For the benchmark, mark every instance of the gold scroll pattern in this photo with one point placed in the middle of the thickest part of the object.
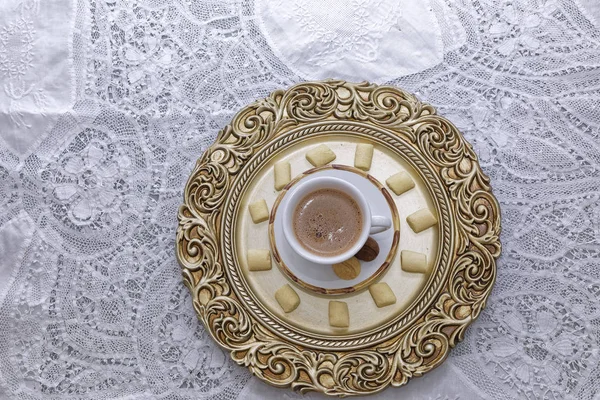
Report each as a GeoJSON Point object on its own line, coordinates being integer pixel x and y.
{"type": "Point", "coordinates": [308, 367]}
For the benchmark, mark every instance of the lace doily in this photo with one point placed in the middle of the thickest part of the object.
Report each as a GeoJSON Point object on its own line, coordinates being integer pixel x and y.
{"type": "Point", "coordinates": [106, 105]}
{"type": "Point", "coordinates": [356, 40]}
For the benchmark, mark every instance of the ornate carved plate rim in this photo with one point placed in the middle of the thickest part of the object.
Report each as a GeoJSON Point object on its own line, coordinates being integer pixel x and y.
{"type": "Point", "coordinates": [214, 281]}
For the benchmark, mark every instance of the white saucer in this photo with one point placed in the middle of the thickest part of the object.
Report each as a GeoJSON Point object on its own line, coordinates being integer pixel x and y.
{"type": "Point", "coordinates": [321, 278]}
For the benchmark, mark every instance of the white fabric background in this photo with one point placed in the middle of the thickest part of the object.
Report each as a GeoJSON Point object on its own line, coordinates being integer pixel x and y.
{"type": "Point", "coordinates": [105, 105]}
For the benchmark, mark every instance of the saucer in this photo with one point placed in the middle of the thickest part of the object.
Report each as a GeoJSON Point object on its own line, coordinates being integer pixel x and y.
{"type": "Point", "coordinates": [321, 278]}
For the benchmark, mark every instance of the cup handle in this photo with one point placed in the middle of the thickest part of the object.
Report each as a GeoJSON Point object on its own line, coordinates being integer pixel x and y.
{"type": "Point", "coordinates": [379, 224]}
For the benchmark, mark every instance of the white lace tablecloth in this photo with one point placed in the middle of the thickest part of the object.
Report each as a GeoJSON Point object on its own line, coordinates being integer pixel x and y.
{"type": "Point", "coordinates": [105, 105]}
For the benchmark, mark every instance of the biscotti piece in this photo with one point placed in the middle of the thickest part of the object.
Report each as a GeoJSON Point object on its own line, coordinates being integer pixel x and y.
{"type": "Point", "coordinates": [412, 261]}
{"type": "Point", "coordinates": [287, 298]}
{"type": "Point", "coordinates": [421, 220]}
{"type": "Point", "coordinates": [320, 156]}
{"type": "Point", "coordinates": [283, 174]}
{"type": "Point", "coordinates": [400, 182]}
{"type": "Point", "coordinates": [259, 260]}
{"type": "Point", "coordinates": [259, 211]}
{"type": "Point", "coordinates": [338, 314]}
{"type": "Point", "coordinates": [363, 156]}
{"type": "Point", "coordinates": [382, 294]}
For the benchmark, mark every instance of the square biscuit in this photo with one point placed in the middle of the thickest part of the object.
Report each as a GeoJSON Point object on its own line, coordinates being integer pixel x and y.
{"type": "Point", "coordinates": [400, 182]}
{"type": "Point", "coordinates": [363, 156]}
{"type": "Point", "coordinates": [259, 211]}
{"type": "Point", "coordinates": [411, 261]}
{"type": "Point", "coordinates": [421, 220]}
{"type": "Point", "coordinates": [287, 298]}
{"type": "Point", "coordinates": [320, 155]}
{"type": "Point", "coordinates": [283, 174]}
{"type": "Point", "coordinates": [258, 259]}
{"type": "Point", "coordinates": [338, 314]}
{"type": "Point", "coordinates": [382, 294]}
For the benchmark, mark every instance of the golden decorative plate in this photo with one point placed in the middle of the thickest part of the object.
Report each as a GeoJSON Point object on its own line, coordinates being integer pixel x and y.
{"type": "Point", "coordinates": [382, 346]}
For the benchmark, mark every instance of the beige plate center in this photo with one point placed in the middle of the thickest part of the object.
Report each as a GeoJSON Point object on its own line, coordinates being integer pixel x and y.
{"type": "Point", "coordinates": [312, 313]}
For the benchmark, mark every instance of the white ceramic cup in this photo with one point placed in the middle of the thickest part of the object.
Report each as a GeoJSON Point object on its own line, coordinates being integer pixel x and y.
{"type": "Point", "coordinates": [370, 224]}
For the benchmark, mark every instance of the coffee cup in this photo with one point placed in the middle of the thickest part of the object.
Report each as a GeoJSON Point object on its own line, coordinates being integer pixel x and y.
{"type": "Point", "coordinates": [349, 197]}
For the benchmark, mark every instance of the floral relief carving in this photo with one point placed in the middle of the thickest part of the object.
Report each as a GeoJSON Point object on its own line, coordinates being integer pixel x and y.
{"type": "Point", "coordinates": [469, 213]}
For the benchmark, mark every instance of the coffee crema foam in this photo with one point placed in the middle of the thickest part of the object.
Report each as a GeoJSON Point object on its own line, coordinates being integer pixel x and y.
{"type": "Point", "coordinates": [327, 222]}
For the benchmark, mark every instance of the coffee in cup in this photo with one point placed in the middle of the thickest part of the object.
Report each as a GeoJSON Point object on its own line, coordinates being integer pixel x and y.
{"type": "Point", "coordinates": [327, 222]}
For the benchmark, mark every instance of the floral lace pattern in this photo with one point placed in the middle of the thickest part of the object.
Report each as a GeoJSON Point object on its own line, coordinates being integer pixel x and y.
{"type": "Point", "coordinates": [347, 39]}
{"type": "Point", "coordinates": [28, 96]}
{"type": "Point", "coordinates": [93, 165]}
